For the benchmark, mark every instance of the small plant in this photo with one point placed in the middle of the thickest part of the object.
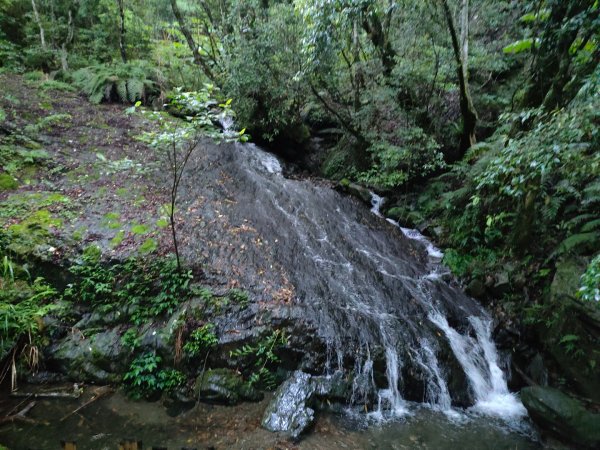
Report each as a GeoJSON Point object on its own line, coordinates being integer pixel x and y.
{"type": "Point", "coordinates": [590, 282]}
{"type": "Point", "coordinates": [54, 85]}
{"type": "Point", "coordinates": [153, 287]}
{"type": "Point", "coordinates": [201, 339]}
{"type": "Point", "coordinates": [131, 339]}
{"type": "Point", "coordinates": [48, 122]}
{"type": "Point", "coordinates": [239, 297]}
{"type": "Point", "coordinates": [23, 305]}
{"type": "Point", "coordinates": [263, 357]}
{"type": "Point", "coordinates": [144, 379]}
{"type": "Point", "coordinates": [569, 343]}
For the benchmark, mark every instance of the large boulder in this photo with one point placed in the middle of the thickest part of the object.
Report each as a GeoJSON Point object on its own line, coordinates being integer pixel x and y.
{"type": "Point", "coordinates": [291, 410]}
{"type": "Point", "coordinates": [99, 358]}
{"type": "Point", "coordinates": [562, 416]}
{"type": "Point", "coordinates": [224, 386]}
{"type": "Point", "coordinates": [567, 278]}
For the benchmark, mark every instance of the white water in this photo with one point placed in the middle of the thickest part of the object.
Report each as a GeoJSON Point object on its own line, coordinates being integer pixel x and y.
{"type": "Point", "coordinates": [437, 394]}
{"type": "Point", "coordinates": [477, 355]}
{"type": "Point", "coordinates": [479, 360]}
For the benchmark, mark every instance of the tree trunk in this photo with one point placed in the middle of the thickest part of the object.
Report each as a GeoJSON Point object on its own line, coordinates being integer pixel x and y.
{"type": "Point", "coordinates": [39, 24]}
{"type": "Point", "coordinates": [190, 41]}
{"type": "Point", "coordinates": [356, 72]}
{"type": "Point", "coordinates": [68, 40]}
{"type": "Point", "coordinates": [122, 43]}
{"type": "Point", "coordinates": [552, 65]}
{"type": "Point", "coordinates": [378, 36]}
{"type": "Point", "coordinates": [461, 49]}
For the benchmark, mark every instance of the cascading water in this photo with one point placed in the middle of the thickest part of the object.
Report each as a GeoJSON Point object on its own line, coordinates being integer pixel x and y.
{"type": "Point", "coordinates": [374, 293]}
{"type": "Point", "coordinates": [477, 356]}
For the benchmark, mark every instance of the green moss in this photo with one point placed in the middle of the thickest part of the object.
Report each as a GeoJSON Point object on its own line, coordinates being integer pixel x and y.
{"type": "Point", "coordinates": [7, 182]}
{"type": "Point", "coordinates": [116, 241]}
{"type": "Point", "coordinates": [140, 228]}
{"type": "Point", "coordinates": [31, 232]}
{"type": "Point", "coordinates": [122, 192]}
{"type": "Point", "coordinates": [162, 223]}
{"type": "Point", "coordinates": [148, 246]}
{"type": "Point", "coordinates": [111, 221]}
{"type": "Point", "coordinates": [79, 233]}
{"type": "Point", "coordinates": [20, 205]}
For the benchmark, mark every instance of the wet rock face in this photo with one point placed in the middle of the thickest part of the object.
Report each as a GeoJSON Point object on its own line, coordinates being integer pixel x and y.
{"type": "Point", "coordinates": [224, 386]}
{"type": "Point", "coordinates": [308, 254]}
{"type": "Point", "coordinates": [558, 414]}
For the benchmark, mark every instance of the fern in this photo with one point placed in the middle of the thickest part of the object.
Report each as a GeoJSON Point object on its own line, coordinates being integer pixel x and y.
{"type": "Point", "coordinates": [591, 193]}
{"type": "Point", "coordinates": [576, 221]}
{"type": "Point", "coordinates": [121, 86]}
{"type": "Point", "coordinates": [136, 89]}
{"type": "Point", "coordinates": [126, 83]}
{"type": "Point", "coordinates": [551, 208]}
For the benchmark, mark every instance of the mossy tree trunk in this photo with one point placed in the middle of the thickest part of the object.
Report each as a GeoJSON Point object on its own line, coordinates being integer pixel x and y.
{"type": "Point", "coordinates": [567, 30]}
{"type": "Point", "coordinates": [38, 21]}
{"type": "Point", "coordinates": [461, 53]}
{"type": "Point", "coordinates": [377, 30]}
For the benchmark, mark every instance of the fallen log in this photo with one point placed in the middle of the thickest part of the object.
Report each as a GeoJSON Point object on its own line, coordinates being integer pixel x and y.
{"type": "Point", "coordinates": [75, 394]}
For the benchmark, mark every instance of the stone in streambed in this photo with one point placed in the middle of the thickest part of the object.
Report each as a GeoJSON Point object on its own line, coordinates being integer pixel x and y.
{"type": "Point", "coordinates": [289, 412]}
{"type": "Point", "coordinates": [291, 409]}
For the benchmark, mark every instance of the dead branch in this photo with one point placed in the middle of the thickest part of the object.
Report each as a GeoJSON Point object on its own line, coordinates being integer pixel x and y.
{"type": "Point", "coordinates": [20, 416]}
{"type": "Point", "coordinates": [100, 392]}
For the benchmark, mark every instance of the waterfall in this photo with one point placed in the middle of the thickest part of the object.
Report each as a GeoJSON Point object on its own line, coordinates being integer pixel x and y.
{"type": "Point", "coordinates": [477, 356]}
{"type": "Point", "coordinates": [479, 359]}
{"type": "Point", "coordinates": [373, 294]}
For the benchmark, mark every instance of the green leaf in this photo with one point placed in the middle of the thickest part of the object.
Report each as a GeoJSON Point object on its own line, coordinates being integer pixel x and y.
{"type": "Point", "coordinates": [518, 46]}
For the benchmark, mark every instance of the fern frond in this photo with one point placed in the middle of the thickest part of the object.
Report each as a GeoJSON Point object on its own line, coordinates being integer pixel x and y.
{"type": "Point", "coordinates": [551, 208]}
{"type": "Point", "coordinates": [577, 220]}
{"type": "Point", "coordinates": [122, 90]}
{"type": "Point", "coordinates": [579, 241]}
{"type": "Point", "coordinates": [590, 226]}
{"type": "Point", "coordinates": [135, 87]}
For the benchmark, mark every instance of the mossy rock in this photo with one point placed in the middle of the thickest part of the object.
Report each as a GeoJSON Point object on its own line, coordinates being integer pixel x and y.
{"type": "Point", "coordinates": [7, 182]}
{"type": "Point", "coordinates": [563, 416]}
{"type": "Point", "coordinates": [99, 358]}
{"type": "Point", "coordinates": [224, 386]}
{"type": "Point", "coordinates": [567, 278]}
